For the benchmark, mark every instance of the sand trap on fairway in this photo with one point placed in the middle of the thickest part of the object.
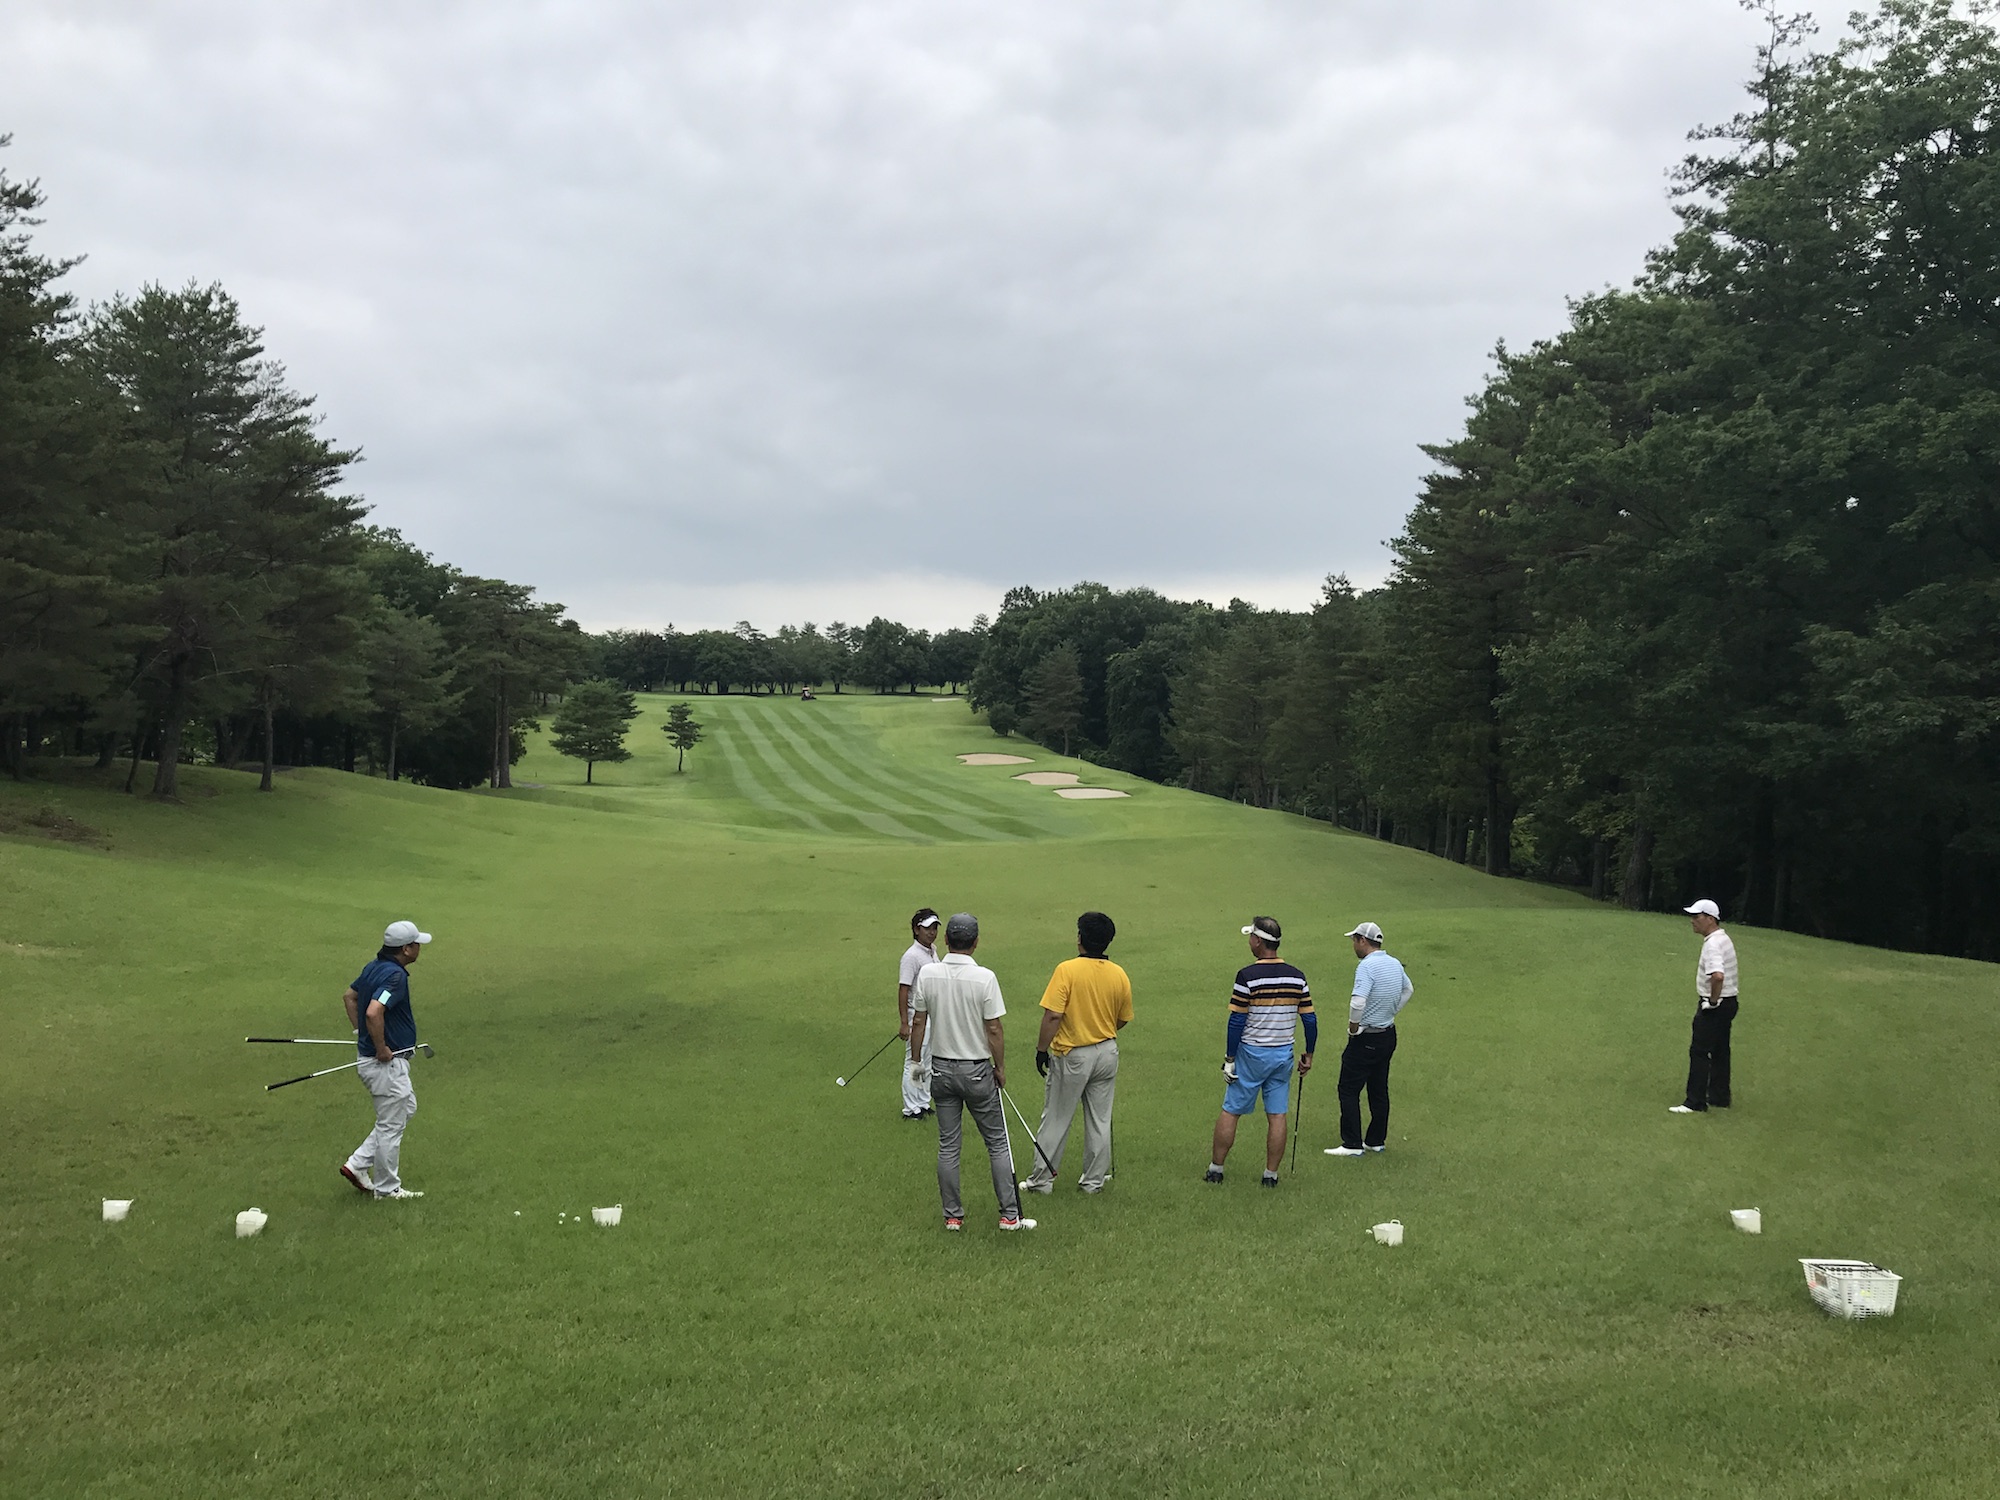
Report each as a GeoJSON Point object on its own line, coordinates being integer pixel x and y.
{"type": "Point", "coordinates": [994, 760]}
{"type": "Point", "coordinates": [1088, 793]}
{"type": "Point", "coordinates": [1049, 778]}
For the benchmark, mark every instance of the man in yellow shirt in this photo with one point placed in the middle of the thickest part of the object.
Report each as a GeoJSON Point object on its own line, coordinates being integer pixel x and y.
{"type": "Point", "coordinates": [1087, 1003]}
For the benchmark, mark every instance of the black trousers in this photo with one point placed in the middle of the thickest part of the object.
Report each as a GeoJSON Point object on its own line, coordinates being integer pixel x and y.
{"type": "Point", "coordinates": [1708, 1056]}
{"type": "Point", "coordinates": [1365, 1064]}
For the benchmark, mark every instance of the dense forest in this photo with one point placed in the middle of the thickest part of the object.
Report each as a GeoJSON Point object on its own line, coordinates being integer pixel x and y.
{"type": "Point", "coordinates": [1702, 600]}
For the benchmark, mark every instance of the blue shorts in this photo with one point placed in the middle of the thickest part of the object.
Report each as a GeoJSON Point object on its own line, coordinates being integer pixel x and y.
{"type": "Point", "coordinates": [1268, 1069]}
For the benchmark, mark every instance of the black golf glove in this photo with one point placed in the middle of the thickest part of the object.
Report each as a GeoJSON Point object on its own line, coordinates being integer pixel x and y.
{"type": "Point", "coordinates": [1042, 1063]}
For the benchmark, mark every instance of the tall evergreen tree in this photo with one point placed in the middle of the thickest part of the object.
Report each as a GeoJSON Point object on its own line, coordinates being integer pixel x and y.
{"type": "Point", "coordinates": [591, 722]}
{"type": "Point", "coordinates": [232, 461]}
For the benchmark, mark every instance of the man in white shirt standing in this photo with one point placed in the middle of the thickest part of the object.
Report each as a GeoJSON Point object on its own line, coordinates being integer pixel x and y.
{"type": "Point", "coordinates": [922, 950]}
{"type": "Point", "coordinates": [957, 1010]}
{"type": "Point", "coordinates": [1714, 1013]}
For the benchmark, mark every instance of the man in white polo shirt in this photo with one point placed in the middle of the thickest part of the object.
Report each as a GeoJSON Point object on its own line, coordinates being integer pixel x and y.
{"type": "Point", "coordinates": [1714, 1013]}
{"type": "Point", "coordinates": [956, 1006]}
{"type": "Point", "coordinates": [922, 950]}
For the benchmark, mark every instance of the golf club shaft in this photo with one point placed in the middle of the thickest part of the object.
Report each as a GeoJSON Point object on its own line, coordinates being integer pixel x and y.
{"type": "Point", "coordinates": [1046, 1164]}
{"type": "Point", "coordinates": [307, 1077]}
{"type": "Point", "coordinates": [875, 1054]}
{"type": "Point", "coordinates": [317, 1041]}
{"type": "Point", "coordinates": [1295, 1124]}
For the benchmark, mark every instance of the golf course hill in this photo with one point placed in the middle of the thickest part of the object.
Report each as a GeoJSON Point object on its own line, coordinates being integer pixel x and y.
{"type": "Point", "coordinates": [641, 992]}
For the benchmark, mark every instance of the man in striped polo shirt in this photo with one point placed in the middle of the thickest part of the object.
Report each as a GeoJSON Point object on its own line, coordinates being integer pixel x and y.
{"type": "Point", "coordinates": [1266, 1004]}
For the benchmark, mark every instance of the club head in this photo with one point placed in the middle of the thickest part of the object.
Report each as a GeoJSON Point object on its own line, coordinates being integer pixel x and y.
{"type": "Point", "coordinates": [841, 1081]}
{"type": "Point", "coordinates": [425, 1048]}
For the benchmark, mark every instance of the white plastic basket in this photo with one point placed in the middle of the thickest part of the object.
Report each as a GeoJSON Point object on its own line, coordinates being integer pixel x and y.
{"type": "Point", "coordinates": [1852, 1288]}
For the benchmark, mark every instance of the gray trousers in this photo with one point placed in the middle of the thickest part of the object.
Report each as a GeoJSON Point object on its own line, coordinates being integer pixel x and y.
{"type": "Point", "coordinates": [960, 1084]}
{"type": "Point", "coordinates": [380, 1155]}
{"type": "Point", "coordinates": [1087, 1076]}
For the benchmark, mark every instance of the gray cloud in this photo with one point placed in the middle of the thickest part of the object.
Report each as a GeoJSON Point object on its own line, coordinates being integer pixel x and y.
{"type": "Point", "coordinates": [788, 310]}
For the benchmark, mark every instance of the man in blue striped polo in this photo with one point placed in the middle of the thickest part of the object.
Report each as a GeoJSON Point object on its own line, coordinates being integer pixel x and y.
{"type": "Point", "coordinates": [1267, 1002]}
{"type": "Point", "coordinates": [1381, 990]}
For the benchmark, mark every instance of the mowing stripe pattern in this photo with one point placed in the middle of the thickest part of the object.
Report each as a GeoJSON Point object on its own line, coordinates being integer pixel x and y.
{"type": "Point", "coordinates": [831, 775]}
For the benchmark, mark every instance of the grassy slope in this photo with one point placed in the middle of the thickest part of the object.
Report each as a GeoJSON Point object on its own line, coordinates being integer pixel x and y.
{"type": "Point", "coordinates": [642, 993]}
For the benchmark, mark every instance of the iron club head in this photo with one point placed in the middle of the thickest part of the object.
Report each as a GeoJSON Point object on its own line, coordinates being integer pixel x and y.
{"type": "Point", "coordinates": [425, 1048]}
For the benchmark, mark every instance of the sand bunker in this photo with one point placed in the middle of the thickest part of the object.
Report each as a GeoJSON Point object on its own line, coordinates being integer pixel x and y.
{"type": "Point", "coordinates": [1049, 778]}
{"type": "Point", "coordinates": [1088, 793]}
{"type": "Point", "coordinates": [994, 760]}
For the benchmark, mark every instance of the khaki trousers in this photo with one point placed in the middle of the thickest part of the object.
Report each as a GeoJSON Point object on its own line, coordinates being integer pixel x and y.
{"type": "Point", "coordinates": [1086, 1076]}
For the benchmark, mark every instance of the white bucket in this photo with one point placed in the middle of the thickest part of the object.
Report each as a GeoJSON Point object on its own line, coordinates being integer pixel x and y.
{"type": "Point", "coordinates": [251, 1221]}
{"type": "Point", "coordinates": [608, 1216]}
{"type": "Point", "coordinates": [1390, 1233]}
{"type": "Point", "coordinates": [1749, 1220]}
{"type": "Point", "coordinates": [115, 1209]}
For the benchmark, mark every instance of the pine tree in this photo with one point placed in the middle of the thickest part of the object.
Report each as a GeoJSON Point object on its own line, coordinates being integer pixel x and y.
{"type": "Point", "coordinates": [590, 726]}
{"type": "Point", "coordinates": [682, 732]}
{"type": "Point", "coordinates": [1054, 692]}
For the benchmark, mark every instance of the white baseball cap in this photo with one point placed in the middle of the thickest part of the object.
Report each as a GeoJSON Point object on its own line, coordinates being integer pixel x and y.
{"type": "Point", "coordinates": [1703, 908]}
{"type": "Point", "coordinates": [1366, 930]}
{"type": "Point", "coordinates": [402, 934]}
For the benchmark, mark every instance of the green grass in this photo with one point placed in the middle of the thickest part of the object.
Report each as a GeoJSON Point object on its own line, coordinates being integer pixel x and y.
{"type": "Point", "coordinates": [641, 993]}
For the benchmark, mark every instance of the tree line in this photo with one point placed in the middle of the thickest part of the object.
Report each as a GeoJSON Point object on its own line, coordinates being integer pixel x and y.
{"type": "Point", "coordinates": [184, 575]}
{"type": "Point", "coordinates": [883, 654]}
{"type": "Point", "coordinates": [1701, 600]}
{"type": "Point", "coordinates": [1704, 597]}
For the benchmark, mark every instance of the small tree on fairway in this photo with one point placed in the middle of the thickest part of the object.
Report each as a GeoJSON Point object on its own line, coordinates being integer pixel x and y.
{"type": "Point", "coordinates": [682, 732]}
{"type": "Point", "coordinates": [591, 724]}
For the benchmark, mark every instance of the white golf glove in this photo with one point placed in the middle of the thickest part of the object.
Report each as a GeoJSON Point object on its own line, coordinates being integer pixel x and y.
{"type": "Point", "coordinates": [1229, 1069]}
{"type": "Point", "coordinates": [919, 1074]}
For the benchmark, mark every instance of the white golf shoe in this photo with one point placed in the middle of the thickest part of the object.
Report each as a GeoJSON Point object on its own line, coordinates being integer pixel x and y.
{"type": "Point", "coordinates": [401, 1192]}
{"type": "Point", "coordinates": [1346, 1150]}
{"type": "Point", "coordinates": [1010, 1225]}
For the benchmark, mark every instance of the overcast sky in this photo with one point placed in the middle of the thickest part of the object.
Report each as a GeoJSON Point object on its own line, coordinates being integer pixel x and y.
{"type": "Point", "coordinates": [801, 309]}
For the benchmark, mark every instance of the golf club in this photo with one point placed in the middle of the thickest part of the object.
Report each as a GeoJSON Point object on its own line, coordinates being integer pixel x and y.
{"type": "Point", "coordinates": [320, 1041]}
{"type": "Point", "coordinates": [423, 1047]}
{"type": "Point", "coordinates": [1301, 1103]}
{"type": "Point", "coordinates": [1047, 1165]}
{"type": "Point", "coordinates": [843, 1082]}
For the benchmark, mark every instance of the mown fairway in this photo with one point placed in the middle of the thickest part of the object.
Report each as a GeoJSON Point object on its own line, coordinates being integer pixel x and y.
{"type": "Point", "coordinates": [642, 993]}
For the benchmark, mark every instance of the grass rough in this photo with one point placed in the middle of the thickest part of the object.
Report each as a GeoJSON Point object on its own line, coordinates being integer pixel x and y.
{"type": "Point", "coordinates": [642, 993]}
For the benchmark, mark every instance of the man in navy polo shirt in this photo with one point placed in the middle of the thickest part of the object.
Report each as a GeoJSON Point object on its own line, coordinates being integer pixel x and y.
{"type": "Point", "coordinates": [385, 1034]}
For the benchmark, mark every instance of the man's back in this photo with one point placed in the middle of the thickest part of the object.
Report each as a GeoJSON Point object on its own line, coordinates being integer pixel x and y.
{"type": "Point", "coordinates": [1093, 996]}
{"type": "Point", "coordinates": [1380, 983]}
{"type": "Point", "coordinates": [1270, 994]}
{"type": "Point", "coordinates": [959, 996]}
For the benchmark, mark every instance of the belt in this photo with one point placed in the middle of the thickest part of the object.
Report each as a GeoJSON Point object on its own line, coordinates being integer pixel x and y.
{"type": "Point", "coordinates": [1373, 1030]}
